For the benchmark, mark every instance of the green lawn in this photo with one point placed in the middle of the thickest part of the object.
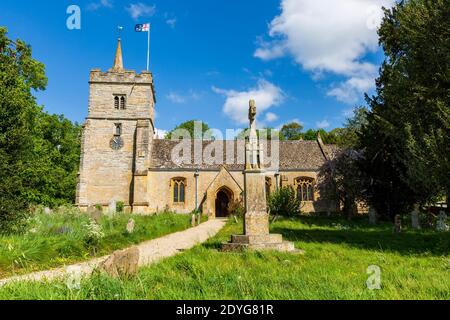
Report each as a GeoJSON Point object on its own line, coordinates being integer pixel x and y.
{"type": "Point", "coordinates": [414, 265]}
{"type": "Point", "coordinates": [67, 237]}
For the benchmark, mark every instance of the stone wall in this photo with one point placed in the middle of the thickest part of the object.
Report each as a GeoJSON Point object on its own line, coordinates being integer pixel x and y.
{"type": "Point", "coordinates": [209, 183]}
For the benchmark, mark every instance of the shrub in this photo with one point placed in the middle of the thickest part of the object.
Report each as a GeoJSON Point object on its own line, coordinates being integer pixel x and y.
{"type": "Point", "coordinates": [284, 202]}
{"type": "Point", "coordinates": [120, 207]}
{"type": "Point", "coordinates": [94, 234]}
{"type": "Point", "coordinates": [236, 208]}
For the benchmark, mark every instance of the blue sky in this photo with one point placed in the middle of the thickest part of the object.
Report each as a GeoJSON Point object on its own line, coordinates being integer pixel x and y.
{"type": "Point", "coordinates": [302, 60]}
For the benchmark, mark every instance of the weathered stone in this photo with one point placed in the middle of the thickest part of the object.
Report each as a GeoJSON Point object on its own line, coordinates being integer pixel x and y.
{"type": "Point", "coordinates": [398, 224]}
{"type": "Point", "coordinates": [193, 221]}
{"type": "Point", "coordinates": [441, 224]}
{"type": "Point", "coordinates": [112, 207]}
{"type": "Point", "coordinates": [122, 264]}
{"type": "Point", "coordinates": [131, 225]}
{"type": "Point", "coordinates": [415, 221]}
{"type": "Point", "coordinates": [373, 216]}
{"type": "Point", "coordinates": [256, 219]}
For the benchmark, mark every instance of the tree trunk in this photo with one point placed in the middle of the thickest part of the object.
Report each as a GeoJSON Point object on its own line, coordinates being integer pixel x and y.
{"type": "Point", "coordinates": [349, 207]}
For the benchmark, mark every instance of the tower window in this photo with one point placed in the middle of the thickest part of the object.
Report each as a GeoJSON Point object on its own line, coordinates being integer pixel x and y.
{"type": "Point", "coordinates": [120, 102]}
{"type": "Point", "coordinates": [118, 131]}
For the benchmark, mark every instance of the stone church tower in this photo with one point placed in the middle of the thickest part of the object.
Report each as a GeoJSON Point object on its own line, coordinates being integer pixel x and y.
{"type": "Point", "coordinates": [117, 138]}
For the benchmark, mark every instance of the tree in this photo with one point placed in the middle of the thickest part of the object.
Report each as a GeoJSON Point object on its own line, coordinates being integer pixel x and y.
{"type": "Point", "coordinates": [190, 126]}
{"type": "Point", "coordinates": [19, 74]}
{"type": "Point", "coordinates": [310, 135]}
{"type": "Point", "coordinates": [292, 131]}
{"type": "Point", "coordinates": [39, 153]}
{"type": "Point", "coordinates": [343, 181]}
{"type": "Point", "coordinates": [407, 135]}
{"type": "Point", "coordinates": [50, 177]}
{"type": "Point", "coordinates": [349, 135]}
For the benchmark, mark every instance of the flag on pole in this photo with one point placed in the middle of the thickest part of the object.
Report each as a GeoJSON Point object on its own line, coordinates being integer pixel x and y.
{"type": "Point", "coordinates": [142, 27]}
{"type": "Point", "coordinates": [145, 28]}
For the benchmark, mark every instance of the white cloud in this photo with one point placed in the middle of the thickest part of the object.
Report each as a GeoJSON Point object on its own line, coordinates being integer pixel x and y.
{"type": "Point", "coordinates": [160, 133]}
{"type": "Point", "coordinates": [271, 117]}
{"type": "Point", "coordinates": [171, 22]}
{"type": "Point", "coordinates": [183, 98]}
{"type": "Point", "coordinates": [100, 4]}
{"type": "Point", "coordinates": [328, 36]}
{"type": "Point", "coordinates": [322, 124]}
{"type": "Point", "coordinates": [265, 94]}
{"type": "Point", "coordinates": [137, 10]}
{"type": "Point", "coordinates": [350, 90]}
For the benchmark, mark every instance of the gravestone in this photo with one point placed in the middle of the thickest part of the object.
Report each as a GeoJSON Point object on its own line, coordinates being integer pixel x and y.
{"type": "Point", "coordinates": [193, 221]}
{"type": "Point", "coordinates": [373, 216]}
{"type": "Point", "coordinates": [441, 224]}
{"type": "Point", "coordinates": [131, 225]}
{"type": "Point", "coordinates": [256, 219]}
{"type": "Point", "coordinates": [112, 207]}
{"type": "Point", "coordinates": [95, 214]}
{"type": "Point", "coordinates": [398, 224]}
{"type": "Point", "coordinates": [415, 220]}
{"type": "Point", "coordinates": [48, 210]}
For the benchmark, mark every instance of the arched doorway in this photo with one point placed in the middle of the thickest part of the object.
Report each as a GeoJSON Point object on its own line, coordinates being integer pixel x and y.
{"type": "Point", "coordinates": [223, 199]}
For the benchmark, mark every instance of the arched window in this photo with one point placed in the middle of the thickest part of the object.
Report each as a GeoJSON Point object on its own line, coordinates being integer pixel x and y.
{"type": "Point", "coordinates": [305, 189]}
{"type": "Point", "coordinates": [120, 101]}
{"type": "Point", "coordinates": [268, 186]}
{"type": "Point", "coordinates": [118, 131]}
{"type": "Point", "coordinates": [179, 190]}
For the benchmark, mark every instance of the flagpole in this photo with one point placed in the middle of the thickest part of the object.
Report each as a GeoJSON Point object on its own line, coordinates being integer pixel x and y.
{"type": "Point", "coordinates": [148, 49]}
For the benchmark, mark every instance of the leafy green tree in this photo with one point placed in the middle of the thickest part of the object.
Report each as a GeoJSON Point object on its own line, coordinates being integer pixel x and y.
{"type": "Point", "coordinates": [39, 153]}
{"type": "Point", "coordinates": [349, 135]}
{"type": "Point", "coordinates": [343, 181]}
{"type": "Point", "coordinates": [50, 177]}
{"type": "Point", "coordinates": [406, 138]}
{"type": "Point", "coordinates": [190, 127]}
{"type": "Point", "coordinates": [310, 135]}
{"type": "Point", "coordinates": [19, 74]}
{"type": "Point", "coordinates": [292, 131]}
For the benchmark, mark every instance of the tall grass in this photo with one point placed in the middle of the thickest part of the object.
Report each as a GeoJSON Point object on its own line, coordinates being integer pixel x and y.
{"type": "Point", "coordinates": [414, 265]}
{"type": "Point", "coordinates": [66, 236]}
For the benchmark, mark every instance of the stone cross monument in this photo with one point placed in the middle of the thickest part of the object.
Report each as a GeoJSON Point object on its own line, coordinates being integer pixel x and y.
{"type": "Point", "coordinates": [256, 220]}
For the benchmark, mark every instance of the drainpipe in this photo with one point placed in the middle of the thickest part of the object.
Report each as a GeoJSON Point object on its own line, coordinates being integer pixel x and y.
{"type": "Point", "coordinates": [277, 176]}
{"type": "Point", "coordinates": [196, 189]}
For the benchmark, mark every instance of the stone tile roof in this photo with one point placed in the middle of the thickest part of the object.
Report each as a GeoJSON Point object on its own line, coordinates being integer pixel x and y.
{"type": "Point", "coordinates": [293, 155]}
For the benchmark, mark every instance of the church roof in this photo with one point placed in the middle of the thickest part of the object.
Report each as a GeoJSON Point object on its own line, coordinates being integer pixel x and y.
{"type": "Point", "coordinates": [293, 155]}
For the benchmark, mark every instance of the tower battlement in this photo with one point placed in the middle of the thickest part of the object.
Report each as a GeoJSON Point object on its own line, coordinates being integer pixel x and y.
{"type": "Point", "coordinates": [125, 76]}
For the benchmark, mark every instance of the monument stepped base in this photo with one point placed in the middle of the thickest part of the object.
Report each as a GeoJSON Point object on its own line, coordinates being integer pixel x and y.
{"type": "Point", "coordinates": [259, 242]}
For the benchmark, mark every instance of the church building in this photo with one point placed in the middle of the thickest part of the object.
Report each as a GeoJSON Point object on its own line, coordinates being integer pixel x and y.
{"type": "Point", "coordinates": [121, 160]}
